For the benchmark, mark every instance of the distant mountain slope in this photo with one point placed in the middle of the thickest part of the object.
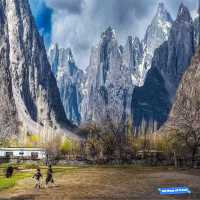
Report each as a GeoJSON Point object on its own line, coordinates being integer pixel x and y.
{"type": "Point", "coordinates": [151, 103]}
{"type": "Point", "coordinates": [70, 81]}
{"type": "Point", "coordinates": [115, 71]}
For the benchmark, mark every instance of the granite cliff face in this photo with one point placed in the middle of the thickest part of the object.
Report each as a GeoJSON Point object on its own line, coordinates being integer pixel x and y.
{"type": "Point", "coordinates": [108, 86]}
{"type": "Point", "coordinates": [8, 113]}
{"type": "Point", "coordinates": [152, 102]}
{"type": "Point", "coordinates": [30, 98]}
{"type": "Point", "coordinates": [70, 81]}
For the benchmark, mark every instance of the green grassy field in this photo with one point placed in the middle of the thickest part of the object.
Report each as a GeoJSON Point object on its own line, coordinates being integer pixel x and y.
{"type": "Point", "coordinates": [6, 183]}
{"type": "Point", "coordinates": [25, 171]}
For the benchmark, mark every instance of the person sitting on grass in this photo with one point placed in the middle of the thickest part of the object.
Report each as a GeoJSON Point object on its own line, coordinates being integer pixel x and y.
{"type": "Point", "coordinates": [49, 178]}
{"type": "Point", "coordinates": [9, 171]}
{"type": "Point", "coordinates": [37, 176]}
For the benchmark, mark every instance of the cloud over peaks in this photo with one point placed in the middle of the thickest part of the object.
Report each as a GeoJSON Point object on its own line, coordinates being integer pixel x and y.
{"type": "Point", "coordinates": [71, 6]}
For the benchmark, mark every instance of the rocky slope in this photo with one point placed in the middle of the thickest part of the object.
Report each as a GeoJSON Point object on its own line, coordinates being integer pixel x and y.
{"type": "Point", "coordinates": [30, 98]}
{"type": "Point", "coordinates": [186, 105]}
{"type": "Point", "coordinates": [70, 81]}
{"type": "Point", "coordinates": [151, 103]}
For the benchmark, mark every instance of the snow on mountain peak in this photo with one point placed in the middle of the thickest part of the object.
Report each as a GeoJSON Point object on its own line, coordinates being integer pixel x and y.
{"type": "Point", "coordinates": [161, 9]}
{"type": "Point", "coordinates": [162, 13]}
{"type": "Point", "coordinates": [157, 32]}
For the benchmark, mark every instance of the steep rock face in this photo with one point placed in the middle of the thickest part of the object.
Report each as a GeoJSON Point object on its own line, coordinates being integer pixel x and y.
{"type": "Point", "coordinates": [132, 53]}
{"type": "Point", "coordinates": [89, 81]}
{"type": "Point", "coordinates": [138, 54]}
{"type": "Point", "coordinates": [109, 93]}
{"type": "Point", "coordinates": [53, 56]}
{"type": "Point", "coordinates": [150, 103]}
{"type": "Point", "coordinates": [8, 114]}
{"type": "Point", "coordinates": [169, 63]}
{"type": "Point", "coordinates": [180, 47]}
{"type": "Point", "coordinates": [70, 81]}
{"type": "Point", "coordinates": [31, 96]}
{"type": "Point", "coordinates": [157, 32]}
{"type": "Point", "coordinates": [132, 57]}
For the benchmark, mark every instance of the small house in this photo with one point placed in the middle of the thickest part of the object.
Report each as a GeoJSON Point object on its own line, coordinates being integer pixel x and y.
{"type": "Point", "coordinates": [23, 153]}
{"type": "Point", "coordinates": [149, 153]}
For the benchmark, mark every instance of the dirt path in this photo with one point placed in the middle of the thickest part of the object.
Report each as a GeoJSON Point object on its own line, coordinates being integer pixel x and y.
{"type": "Point", "coordinates": [107, 184]}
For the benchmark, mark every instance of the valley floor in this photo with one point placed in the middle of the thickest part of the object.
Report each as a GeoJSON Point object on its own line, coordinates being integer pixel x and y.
{"type": "Point", "coordinates": [107, 183]}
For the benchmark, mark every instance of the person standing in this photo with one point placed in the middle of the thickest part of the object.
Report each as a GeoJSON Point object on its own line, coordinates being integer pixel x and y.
{"type": "Point", "coordinates": [37, 176]}
{"type": "Point", "coordinates": [49, 178]}
{"type": "Point", "coordinates": [9, 171]}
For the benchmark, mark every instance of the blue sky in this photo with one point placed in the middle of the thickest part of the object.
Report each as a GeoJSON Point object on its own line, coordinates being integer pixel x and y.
{"type": "Point", "coordinates": [79, 23]}
{"type": "Point", "coordinates": [43, 17]}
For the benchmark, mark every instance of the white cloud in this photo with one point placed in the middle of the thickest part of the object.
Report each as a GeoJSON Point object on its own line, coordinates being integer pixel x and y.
{"type": "Point", "coordinates": [72, 6]}
{"type": "Point", "coordinates": [194, 14]}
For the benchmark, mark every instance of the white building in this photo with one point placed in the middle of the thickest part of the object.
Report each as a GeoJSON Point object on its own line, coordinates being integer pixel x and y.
{"type": "Point", "coordinates": [26, 153]}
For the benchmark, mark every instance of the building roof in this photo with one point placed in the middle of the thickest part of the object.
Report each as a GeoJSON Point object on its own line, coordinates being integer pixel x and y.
{"type": "Point", "coordinates": [21, 149]}
{"type": "Point", "coordinates": [150, 151]}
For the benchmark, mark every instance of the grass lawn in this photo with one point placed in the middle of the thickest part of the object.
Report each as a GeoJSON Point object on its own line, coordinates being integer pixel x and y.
{"type": "Point", "coordinates": [6, 183]}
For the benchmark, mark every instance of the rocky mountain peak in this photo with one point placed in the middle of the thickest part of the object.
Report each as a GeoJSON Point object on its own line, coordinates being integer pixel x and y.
{"type": "Point", "coordinates": [69, 79]}
{"type": "Point", "coordinates": [70, 55]}
{"type": "Point", "coordinates": [162, 13]}
{"type": "Point", "coordinates": [161, 7]}
{"type": "Point", "coordinates": [61, 58]}
{"type": "Point", "coordinates": [136, 41]}
{"type": "Point", "coordinates": [55, 46]}
{"type": "Point", "coordinates": [183, 14]}
{"type": "Point", "coordinates": [108, 34]}
{"type": "Point", "coordinates": [157, 33]}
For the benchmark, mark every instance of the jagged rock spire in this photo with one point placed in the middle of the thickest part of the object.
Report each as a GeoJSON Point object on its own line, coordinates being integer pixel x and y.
{"type": "Point", "coordinates": [162, 12]}
{"type": "Point", "coordinates": [184, 14]}
{"type": "Point", "coordinates": [69, 79]}
{"type": "Point", "coordinates": [108, 34]}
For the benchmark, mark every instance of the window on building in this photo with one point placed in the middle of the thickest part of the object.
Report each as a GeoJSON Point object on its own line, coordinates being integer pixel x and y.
{"type": "Point", "coordinates": [21, 153]}
{"type": "Point", "coordinates": [34, 155]}
{"type": "Point", "coordinates": [9, 154]}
